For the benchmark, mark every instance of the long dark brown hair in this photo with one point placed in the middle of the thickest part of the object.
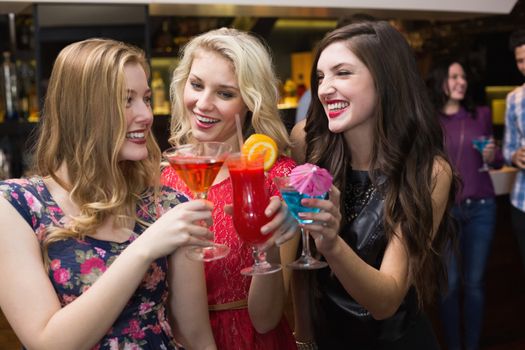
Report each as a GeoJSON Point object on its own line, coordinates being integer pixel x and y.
{"type": "Point", "coordinates": [407, 141]}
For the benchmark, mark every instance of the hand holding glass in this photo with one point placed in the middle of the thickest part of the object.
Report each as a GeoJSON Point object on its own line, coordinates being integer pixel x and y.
{"type": "Point", "coordinates": [250, 199]}
{"type": "Point", "coordinates": [293, 199]}
{"type": "Point", "coordinates": [198, 165]}
{"type": "Point", "coordinates": [479, 144]}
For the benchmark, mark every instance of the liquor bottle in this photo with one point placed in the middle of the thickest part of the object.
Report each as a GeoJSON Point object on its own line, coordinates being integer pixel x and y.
{"type": "Point", "coordinates": [290, 93]}
{"type": "Point", "coordinates": [158, 90]}
{"type": "Point", "coordinates": [301, 86]}
{"type": "Point", "coordinates": [164, 40]}
{"type": "Point", "coordinates": [28, 101]}
{"type": "Point", "coordinates": [10, 90]}
{"type": "Point", "coordinates": [25, 33]}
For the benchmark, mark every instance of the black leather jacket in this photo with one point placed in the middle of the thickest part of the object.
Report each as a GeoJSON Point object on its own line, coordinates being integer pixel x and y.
{"type": "Point", "coordinates": [344, 320]}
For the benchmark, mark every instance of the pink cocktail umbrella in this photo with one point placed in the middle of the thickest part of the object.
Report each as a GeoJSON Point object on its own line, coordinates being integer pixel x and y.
{"type": "Point", "coordinates": [310, 179]}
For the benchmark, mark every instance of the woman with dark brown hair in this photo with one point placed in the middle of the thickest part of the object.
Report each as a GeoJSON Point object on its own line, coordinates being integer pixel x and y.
{"type": "Point", "coordinates": [385, 224]}
{"type": "Point", "coordinates": [464, 125]}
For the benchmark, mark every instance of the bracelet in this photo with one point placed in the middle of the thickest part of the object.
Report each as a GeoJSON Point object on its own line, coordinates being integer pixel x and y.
{"type": "Point", "coordinates": [306, 345]}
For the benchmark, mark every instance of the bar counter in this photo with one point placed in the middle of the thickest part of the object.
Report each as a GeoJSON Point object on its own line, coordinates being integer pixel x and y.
{"type": "Point", "coordinates": [503, 179]}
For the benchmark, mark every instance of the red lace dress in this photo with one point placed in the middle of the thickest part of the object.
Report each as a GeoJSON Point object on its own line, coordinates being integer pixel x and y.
{"type": "Point", "coordinates": [233, 329]}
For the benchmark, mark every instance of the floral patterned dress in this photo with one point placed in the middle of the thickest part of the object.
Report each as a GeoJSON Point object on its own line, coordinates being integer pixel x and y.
{"type": "Point", "coordinates": [233, 329]}
{"type": "Point", "coordinates": [76, 264]}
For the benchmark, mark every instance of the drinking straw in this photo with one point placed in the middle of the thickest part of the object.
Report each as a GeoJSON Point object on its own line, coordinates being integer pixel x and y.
{"type": "Point", "coordinates": [239, 131]}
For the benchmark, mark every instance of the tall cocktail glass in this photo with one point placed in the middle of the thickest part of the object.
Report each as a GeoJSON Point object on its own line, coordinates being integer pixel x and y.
{"type": "Point", "coordinates": [250, 199]}
{"type": "Point", "coordinates": [198, 165]}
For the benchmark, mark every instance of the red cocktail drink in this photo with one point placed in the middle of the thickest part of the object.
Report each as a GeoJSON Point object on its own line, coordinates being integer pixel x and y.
{"type": "Point", "coordinates": [250, 199]}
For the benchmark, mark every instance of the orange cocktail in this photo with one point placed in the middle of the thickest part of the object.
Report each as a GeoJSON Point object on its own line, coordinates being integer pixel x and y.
{"type": "Point", "coordinates": [197, 165]}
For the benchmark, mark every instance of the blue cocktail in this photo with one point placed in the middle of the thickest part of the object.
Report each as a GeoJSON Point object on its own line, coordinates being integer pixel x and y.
{"type": "Point", "coordinates": [293, 200]}
{"type": "Point", "coordinates": [479, 144]}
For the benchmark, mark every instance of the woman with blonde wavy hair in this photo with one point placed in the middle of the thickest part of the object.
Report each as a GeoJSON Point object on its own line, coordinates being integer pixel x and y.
{"type": "Point", "coordinates": [224, 73]}
{"type": "Point", "coordinates": [86, 259]}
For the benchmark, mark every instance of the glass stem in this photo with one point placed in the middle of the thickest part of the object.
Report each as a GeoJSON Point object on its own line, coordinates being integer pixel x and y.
{"type": "Point", "coordinates": [259, 258]}
{"type": "Point", "coordinates": [200, 195]}
{"type": "Point", "coordinates": [306, 243]}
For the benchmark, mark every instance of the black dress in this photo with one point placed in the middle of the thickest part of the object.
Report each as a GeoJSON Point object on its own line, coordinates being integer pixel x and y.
{"type": "Point", "coordinates": [342, 323]}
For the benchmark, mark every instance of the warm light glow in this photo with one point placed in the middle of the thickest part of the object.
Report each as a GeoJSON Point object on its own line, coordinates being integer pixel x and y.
{"type": "Point", "coordinates": [304, 23]}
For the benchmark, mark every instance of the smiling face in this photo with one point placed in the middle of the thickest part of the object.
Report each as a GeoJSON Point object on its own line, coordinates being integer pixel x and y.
{"type": "Point", "coordinates": [455, 86]}
{"type": "Point", "coordinates": [346, 90]}
{"type": "Point", "coordinates": [139, 116]}
{"type": "Point", "coordinates": [212, 99]}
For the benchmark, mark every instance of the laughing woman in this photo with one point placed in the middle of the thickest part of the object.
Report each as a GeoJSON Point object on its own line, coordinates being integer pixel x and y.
{"type": "Point", "coordinates": [385, 224]}
{"type": "Point", "coordinates": [86, 260]}
{"type": "Point", "coordinates": [224, 73]}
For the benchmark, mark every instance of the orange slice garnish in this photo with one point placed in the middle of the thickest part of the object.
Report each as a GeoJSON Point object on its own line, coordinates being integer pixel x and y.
{"type": "Point", "coordinates": [257, 143]}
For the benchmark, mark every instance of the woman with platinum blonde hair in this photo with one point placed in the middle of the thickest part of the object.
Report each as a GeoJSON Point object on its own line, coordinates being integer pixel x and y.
{"type": "Point", "coordinates": [226, 74]}
{"type": "Point", "coordinates": [86, 259]}
{"type": "Point", "coordinates": [257, 84]}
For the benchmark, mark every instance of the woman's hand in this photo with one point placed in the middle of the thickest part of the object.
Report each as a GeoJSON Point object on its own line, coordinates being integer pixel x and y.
{"type": "Point", "coordinates": [489, 151]}
{"type": "Point", "coordinates": [518, 158]}
{"type": "Point", "coordinates": [325, 226]}
{"type": "Point", "coordinates": [179, 226]}
{"type": "Point", "coordinates": [282, 224]}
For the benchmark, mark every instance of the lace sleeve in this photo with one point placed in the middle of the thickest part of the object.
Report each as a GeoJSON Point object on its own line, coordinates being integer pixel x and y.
{"type": "Point", "coordinates": [282, 167]}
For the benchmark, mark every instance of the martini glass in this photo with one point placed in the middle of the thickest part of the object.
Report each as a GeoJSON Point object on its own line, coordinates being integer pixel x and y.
{"type": "Point", "coordinates": [293, 199]}
{"type": "Point", "coordinates": [198, 165]}
{"type": "Point", "coordinates": [479, 144]}
{"type": "Point", "coordinates": [250, 200]}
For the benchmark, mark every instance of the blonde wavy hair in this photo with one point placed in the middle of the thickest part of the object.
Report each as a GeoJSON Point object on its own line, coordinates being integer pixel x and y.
{"type": "Point", "coordinates": [258, 84]}
{"type": "Point", "coordinates": [84, 127]}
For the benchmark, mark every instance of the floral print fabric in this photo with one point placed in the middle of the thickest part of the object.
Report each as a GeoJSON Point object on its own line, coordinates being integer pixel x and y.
{"type": "Point", "coordinates": [75, 264]}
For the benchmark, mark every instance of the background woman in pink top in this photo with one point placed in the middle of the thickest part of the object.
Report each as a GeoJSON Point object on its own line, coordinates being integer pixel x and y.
{"type": "Point", "coordinates": [221, 74]}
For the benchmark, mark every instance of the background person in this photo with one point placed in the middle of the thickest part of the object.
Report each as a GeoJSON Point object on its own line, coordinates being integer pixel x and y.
{"type": "Point", "coordinates": [475, 207]}
{"type": "Point", "coordinates": [514, 141]}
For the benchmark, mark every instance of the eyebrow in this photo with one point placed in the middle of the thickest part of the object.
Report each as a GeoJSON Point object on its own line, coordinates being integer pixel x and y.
{"type": "Point", "coordinates": [133, 92]}
{"type": "Point", "coordinates": [339, 65]}
{"type": "Point", "coordinates": [222, 86]}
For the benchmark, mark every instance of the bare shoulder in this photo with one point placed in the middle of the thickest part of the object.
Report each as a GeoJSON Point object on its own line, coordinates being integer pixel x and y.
{"type": "Point", "coordinates": [298, 138]}
{"type": "Point", "coordinates": [441, 175]}
{"type": "Point", "coordinates": [441, 168]}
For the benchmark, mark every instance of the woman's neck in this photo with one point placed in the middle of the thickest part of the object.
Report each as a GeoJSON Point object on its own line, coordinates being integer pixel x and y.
{"type": "Point", "coordinates": [360, 151]}
{"type": "Point", "coordinates": [360, 144]}
{"type": "Point", "coordinates": [451, 107]}
{"type": "Point", "coordinates": [360, 164]}
{"type": "Point", "coordinates": [59, 189]}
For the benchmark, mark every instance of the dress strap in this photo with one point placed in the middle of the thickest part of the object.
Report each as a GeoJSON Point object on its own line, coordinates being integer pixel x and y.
{"type": "Point", "coordinates": [233, 305]}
